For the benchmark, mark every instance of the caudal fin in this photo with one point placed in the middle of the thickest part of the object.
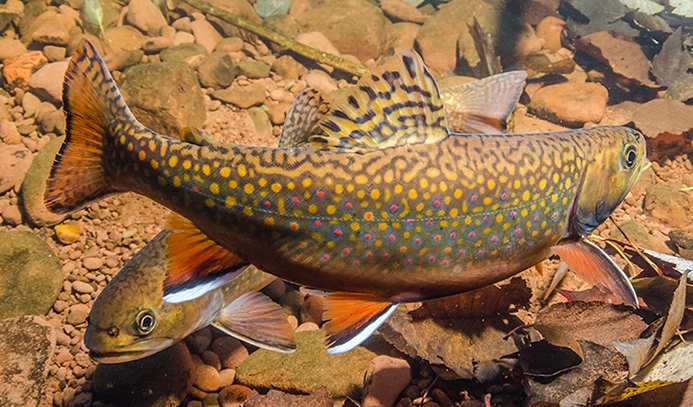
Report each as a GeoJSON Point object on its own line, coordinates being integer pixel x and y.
{"type": "Point", "coordinates": [92, 105]}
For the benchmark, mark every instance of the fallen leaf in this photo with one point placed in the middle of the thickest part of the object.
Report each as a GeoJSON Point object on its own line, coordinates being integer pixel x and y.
{"type": "Point", "coordinates": [650, 394]}
{"type": "Point", "coordinates": [672, 66]}
{"type": "Point", "coordinates": [646, 6]}
{"type": "Point", "coordinates": [660, 116]}
{"type": "Point", "coordinates": [682, 7]}
{"type": "Point", "coordinates": [586, 17]}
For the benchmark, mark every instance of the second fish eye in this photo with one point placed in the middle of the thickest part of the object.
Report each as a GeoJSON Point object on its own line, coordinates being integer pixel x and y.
{"type": "Point", "coordinates": [630, 156]}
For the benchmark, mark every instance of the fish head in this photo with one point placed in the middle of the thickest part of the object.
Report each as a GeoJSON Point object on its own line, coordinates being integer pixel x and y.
{"type": "Point", "coordinates": [130, 320]}
{"type": "Point", "coordinates": [611, 170]}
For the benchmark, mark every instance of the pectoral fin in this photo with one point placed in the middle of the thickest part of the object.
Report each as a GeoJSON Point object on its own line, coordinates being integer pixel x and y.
{"type": "Point", "coordinates": [196, 264]}
{"type": "Point", "coordinates": [256, 319]}
{"type": "Point", "coordinates": [351, 318]}
{"type": "Point", "coordinates": [593, 265]}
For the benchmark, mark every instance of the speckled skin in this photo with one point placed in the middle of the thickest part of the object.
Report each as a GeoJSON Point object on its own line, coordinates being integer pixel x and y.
{"type": "Point", "coordinates": [404, 223]}
{"type": "Point", "coordinates": [113, 335]}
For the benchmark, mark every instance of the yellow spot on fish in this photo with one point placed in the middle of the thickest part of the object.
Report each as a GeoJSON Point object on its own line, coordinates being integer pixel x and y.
{"type": "Point", "coordinates": [412, 194]}
{"type": "Point", "coordinates": [375, 194]}
{"type": "Point", "coordinates": [291, 185]}
{"type": "Point", "coordinates": [206, 170]}
{"type": "Point", "coordinates": [276, 187]}
{"type": "Point", "coordinates": [162, 181]}
{"type": "Point", "coordinates": [453, 212]}
{"type": "Point", "coordinates": [480, 179]}
{"type": "Point", "coordinates": [248, 189]}
{"type": "Point", "coordinates": [176, 181]}
{"type": "Point", "coordinates": [503, 179]}
{"type": "Point", "coordinates": [457, 194]}
{"type": "Point", "coordinates": [542, 184]}
{"type": "Point", "coordinates": [214, 188]}
{"type": "Point", "coordinates": [556, 178]}
{"type": "Point", "coordinates": [152, 145]}
{"type": "Point", "coordinates": [468, 220]}
{"type": "Point", "coordinates": [491, 184]}
{"type": "Point", "coordinates": [154, 164]}
{"type": "Point", "coordinates": [517, 184]}
{"type": "Point", "coordinates": [172, 161]}
{"type": "Point", "coordinates": [209, 202]}
{"type": "Point", "coordinates": [382, 226]}
{"type": "Point", "coordinates": [122, 139]}
{"type": "Point", "coordinates": [398, 189]}
{"type": "Point", "coordinates": [269, 221]}
{"type": "Point", "coordinates": [423, 182]}
{"type": "Point", "coordinates": [142, 155]}
{"type": "Point", "coordinates": [554, 197]}
{"type": "Point", "coordinates": [567, 183]}
{"type": "Point", "coordinates": [130, 147]}
{"type": "Point", "coordinates": [233, 184]}
{"type": "Point", "coordinates": [312, 208]}
{"type": "Point", "coordinates": [419, 207]}
{"type": "Point", "coordinates": [248, 211]}
{"type": "Point", "coordinates": [225, 172]}
{"type": "Point", "coordinates": [262, 182]}
{"type": "Point", "coordinates": [187, 164]}
{"type": "Point", "coordinates": [525, 196]}
{"type": "Point", "coordinates": [361, 179]}
{"type": "Point", "coordinates": [338, 189]}
{"type": "Point", "coordinates": [360, 194]}
{"type": "Point", "coordinates": [230, 201]}
{"type": "Point", "coordinates": [487, 201]}
{"type": "Point", "coordinates": [350, 188]}
{"type": "Point", "coordinates": [499, 217]}
{"type": "Point", "coordinates": [330, 209]}
{"type": "Point", "coordinates": [242, 171]}
{"type": "Point", "coordinates": [355, 226]}
{"type": "Point", "coordinates": [306, 183]}
{"type": "Point", "coordinates": [443, 186]}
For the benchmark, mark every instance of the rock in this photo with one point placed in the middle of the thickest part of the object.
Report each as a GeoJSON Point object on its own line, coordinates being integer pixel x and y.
{"type": "Point", "coordinates": [682, 239]}
{"type": "Point", "coordinates": [182, 37]}
{"type": "Point", "coordinates": [30, 102]}
{"type": "Point", "coordinates": [54, 30]}
{"type": "Point", "coordinates": [11, 11]}
{"type": "Point", "coordinates": [312, 309]}
{"type": "Point", "coordinates": [27, 345]}
{"type": "Point", "coordinates": [164, 96]}
{"type": "Point", "coordinates": [635, 231]}
{"type": "Point", "coordinates": [15, 161]}
{"type": "Point", "coordinates": [205, 34]}
{"type": "Point", "coordinates": [438, 38]}
{"type": "Point", "coordinates": [51, 122]}
{"type": "Point", "coordinates": [124, 38]}
{"type": "Point", "coordinates": [263, 127]}
{"type": "Point", "coordinates": [11, 48]}
{"type": "Point", "coordinates": [668, 204]}
{"type": "Point", "coordinates": [241, 96]}
{"type": "Point", "coordinates": [403, 35]}
{"type": "Point", "coordinates": [528, 42]}
{"type": "Point", "coordinates": [253, 69]}
{"type": "Point", "coordinates": [385, 379]}
{"type": "Point", "coordinates": [67, 234]}
{"type": "Point", "coordinates": [9, 133]}
{"type": "Point", "coordinates": [226, 377]}
{"type": "Point", "coordinates": [182, 52]}
{"type": "Point", "coordinates": [233, 44]}
{"type": "Point", "coordinates": [47, 82]}
{"type": "Point", "coordinates": [307, 326]}
{"type": "Point", "coordinates": [34, 186]}
{"type": "Point", "coordinates": [570, 104]}
{"type": "Point", "coordinates": [355, 27]}
{"type": "Point", "coordinates": [230, 350]}
{"type": "Point", "coordinates": [18, 69]}
{"type": "Point", "coordinates": [120, 60]}
{"type": "Point", "coordinates": [54, 53]}
{"type": "Point", "coordinates": [216, 70]}
{"type": "Point", "coordinates": [206, 378]}
{"type": "Point", "coordinates": [92, 263]}
{"type": "Point", "coordinates": [275, 289]}
{"type": "Point", "coordinates": [77, 314]}
{"type": "Point", "coordinates": [12, 215]}
{"type": "Point", "coordinates": [160, 380]}
{"type": "Point", "coordinates": [31, 275]}
{"type": "Point", "coordinates": [234, 395]}
{"type": "Point", "coordinates": [307, 369]}
{"type": "Point", "coordinates": [320, 398]}
{"type": "Point", "coordinates": [277, 112]}
{"type": "Point", "coordinates": [550, 30]}
{"type": "Point", "coordinates": [82, 288]}
{"type": "Point", "coordinates": [398, 10]}
{"type": "Point", "coordinates": [153, 45]}
{"type": "Point", "coordinates": [288, 68]}
{"type": "Point", "coordinates": [321, 81]}
{"type": "Point", "coordinates": [241, 8]}
{"type": "Point", "coordinates": [283, 24]}
{"type": "Point", "coordinates": [145, 16]}
{"type": "Point", "coordinates": [319, 41]}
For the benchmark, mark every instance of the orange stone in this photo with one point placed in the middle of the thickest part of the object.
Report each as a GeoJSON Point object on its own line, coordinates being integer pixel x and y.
{"type": "Point", "coordinates": [19, 68]}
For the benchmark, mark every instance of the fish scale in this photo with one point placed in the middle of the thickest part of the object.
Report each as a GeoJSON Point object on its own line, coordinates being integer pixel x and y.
{"type": "Point", "coordinates": [384, 203]}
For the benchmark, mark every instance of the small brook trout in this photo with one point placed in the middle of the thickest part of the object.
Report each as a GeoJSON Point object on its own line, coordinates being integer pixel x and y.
{"type": "Point", "coordinates": [384, 205]}
{"type": "Point", "coordinates": [130, 320]}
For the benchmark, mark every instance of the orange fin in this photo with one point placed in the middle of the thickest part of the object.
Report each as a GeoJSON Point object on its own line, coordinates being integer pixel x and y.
{"type": "Point", "coordinates": [482, 106]}
{"type": "Point", "coordinates": [351, 318]}
{"type": "Point", "coordinates": [196, 264]}
{"type": "Point", "coordinates": [92, 104]}
{"type": "Point", "coordinates": [596, 267]}
{"type": "Point", "coordinates": [256, 319]}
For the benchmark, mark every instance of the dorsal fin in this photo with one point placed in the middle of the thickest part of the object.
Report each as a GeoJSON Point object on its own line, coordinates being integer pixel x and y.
{"type": "Point", "coordinates": [397, 103]}
{"type": "Point", "coordinates": [303, 117]}
{"type": "Point", "coordinates": [196, 264]}
{"type": "Point", "coordinates": [482, 106]}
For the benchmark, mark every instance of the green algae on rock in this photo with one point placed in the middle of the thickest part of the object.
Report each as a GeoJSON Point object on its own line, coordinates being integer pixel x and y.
{"type": "Point", "coordinates": [34, 186]}
{"type": "Point", "coordinates": [307, 369]}
{"type": "Point", "coordinates": [31, 276]}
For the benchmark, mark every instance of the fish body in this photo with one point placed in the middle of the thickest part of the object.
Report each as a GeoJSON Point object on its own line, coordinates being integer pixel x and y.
{"type": "Point", "coordinates": [387, 203]}
{"type": "Point", "coordinates": [130, 320]}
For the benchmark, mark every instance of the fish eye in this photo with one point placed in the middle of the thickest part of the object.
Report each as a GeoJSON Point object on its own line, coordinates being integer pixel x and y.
{"type": "Point", "coordinates": [145, 322]}
{"type": "Point", "coordinates": [630, 156]}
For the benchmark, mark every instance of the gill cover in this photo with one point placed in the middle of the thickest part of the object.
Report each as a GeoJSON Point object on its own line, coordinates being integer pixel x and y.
{"type": "Point", "coordinates": [610, 172]}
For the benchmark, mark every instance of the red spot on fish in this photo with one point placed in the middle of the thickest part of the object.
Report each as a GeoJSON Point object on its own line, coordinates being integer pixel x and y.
{"type": "Point", "coordinates": [318, 223]}
{"type": "Point", "coordinates": [325, 256]}
{"type": "Point", "coordinates": [436, 238]}
{"type": "Point", "coordinates": [518, 231]}
{"type": "Point", "coordinates": [403, 249]}
{"type": "Point", "coordinates": [301, 244]}
{"type": "Point", "coordinates": [504, 196]}
{"type": "Point", "coordinates": [408, 261]}
{"type": "Point", "coordinates": [196, 188]}
{"type": "Point", "coordinates": [429, 223]}
{"type": "Point", "coordinates": [453, 235]}
{"type": "Point", "coordinates": [417, 241]}
{"type": "Point", "coordinates": [394, 208]}
{"type": "Point", "coordinates": [293, 225]}
{"type": "Point", "coordinates": [320, 194]}
{"type": "Point", "coordinates": [445, 262]}
{"type": "Point", "coordinates": [461, 252]}
{"type": "Point", "coordinates": [474, 198]}
{"type": "Point", "coordinates": [369, 254]}
{"type": "Point", "coordinates": [485, 219]}
{"type": "Point", "coordinates": [345, 250]}
{"type": "Point", "coordinates": [472, 234]}
{"type": "Point", "coordinates": [368, 236]}
{"type": "Point", "coordinates": [494, 239]}
{"type": "Point", "coordinates": [338, 232]}
{"type": "Point", "coordinates": [513, 214]}
{"type": "Point", "coordinates": [436, 203]}
{"type": "Point", "coordinates": [410, 222]}
{"type": "Point", "coordinates": [480, 252]}
{"type": "Point", "coordinates": [267, 204]}
{"type": "Point", "coordinates": [432, 258]}
{"type": "Point", "coordinates": [294, 200]}
{"type": "Point", "coordinates": [536, 218]}
{"type": "Point", "coordinates": [391, 238]}
{"type": "Point", "coordinates": [386, 255]}
{"type": "Point", "coordinates": [349, 205]}
{"type": "Point", "coordinates": [356, 262]}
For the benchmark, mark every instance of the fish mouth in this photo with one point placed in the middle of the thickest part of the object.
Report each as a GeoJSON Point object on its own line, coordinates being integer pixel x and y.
{"type": "Point", "coordinates": [124, 354]}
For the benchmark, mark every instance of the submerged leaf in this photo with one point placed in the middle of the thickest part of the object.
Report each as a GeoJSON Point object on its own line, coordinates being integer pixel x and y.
{"type": "Point", "coordinates": [661, 116]}
{"type": "Point", "coordinates": [266, 8]}
{"type": "Point", "coordinates": [672, 66]}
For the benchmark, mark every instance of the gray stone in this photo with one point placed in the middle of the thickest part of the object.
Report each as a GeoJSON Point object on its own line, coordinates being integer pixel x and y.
{"type": "Point", "coordinates": [307, 369]}
{"type": "Point", "coordinates": [26, 347]}
{"type": "Point", "coordinates": [263, 127]}
{"type": "Point", "coordinates": [31, 277]}
{"type": "Point", "coordinates": [241, 96]}
{"type": "Point", "coordinates": [668, 204]}
{"type": "Point", "coordinates": [216, 70]}
{"type": "Point", "coordinates": [164, 96]}
{"type": "Point", "coordinates": [15, 160]}
{"type": "Point", "coordinates": [160, 380]}
{"type": "Point", "coordinates": [355, 27]}
{"type": "Point", "coordinates": [182, 52]}
{"type": "Point", "coordinates": [34, 186]}
{"type": "Point", "coordinates": [120, 60]}
{"type": "Point", "coordinates": [253, 69]}
{"type": "Point", "coordinates": [47, 82]}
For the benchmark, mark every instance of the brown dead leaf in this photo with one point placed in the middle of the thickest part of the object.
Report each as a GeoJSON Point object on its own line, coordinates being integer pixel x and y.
{"type": "Point", "coordinates": [660, 116]}
{"type": "Point", "coordinates": [619, 52]}
{"type": "Point", "coordinates": [489, 301]}
{"type": "Point", "coordinates": [672, 66]}
{"type": "Point", "coordinates": [597, 322]}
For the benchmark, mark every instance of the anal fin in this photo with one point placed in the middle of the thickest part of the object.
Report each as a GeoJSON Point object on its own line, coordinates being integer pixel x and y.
{"type": "Point", "coordinates": [196, 264]}
{"type": "Point", "coordinates": [351, 318]}
{"type": "Point", "coordinates": [596, 267]}
{"type": "Point", "coordinates": [256, 319]}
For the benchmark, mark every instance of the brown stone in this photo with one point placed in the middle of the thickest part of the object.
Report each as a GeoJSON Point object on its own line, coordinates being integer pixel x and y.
{"type": "Point", "coordinates": [18, 69]}
{"type": "Point", "coordinates": [570, 104]}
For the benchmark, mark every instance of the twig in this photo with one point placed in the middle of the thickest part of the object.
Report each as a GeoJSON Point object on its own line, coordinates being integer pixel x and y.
{"type": "Point", "coordinates": [308, 52]}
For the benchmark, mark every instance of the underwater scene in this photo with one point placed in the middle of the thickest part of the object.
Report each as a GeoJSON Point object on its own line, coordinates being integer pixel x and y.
{"type": "Point", "coordinates": [346, 203]}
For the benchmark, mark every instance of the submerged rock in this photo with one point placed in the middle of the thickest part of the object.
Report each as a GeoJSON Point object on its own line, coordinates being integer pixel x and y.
{"type": "Point", "coordinates": [34, 186]}
{"type": "Point", "coordinates": [667, 203]}
{"type": "Point", "coordinates": [307, 369]}
{"type": "Point", "coordinates": [26, 347]}
{"type": "Point", "coordinates": [15, 161]}
{"type": "Point", "coordinates": [31, 277]}
{"type": "Point", "coordinates": [320, 398]}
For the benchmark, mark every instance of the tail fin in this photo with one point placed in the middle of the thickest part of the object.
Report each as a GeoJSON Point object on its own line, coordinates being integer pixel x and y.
{"type": "Point", "coordinates": [92, 105]}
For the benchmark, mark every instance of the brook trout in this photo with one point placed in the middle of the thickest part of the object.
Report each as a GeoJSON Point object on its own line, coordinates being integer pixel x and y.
{"type": "Point", "coordinates": [130, 320]}
{"type": "Point", "coordinates": [384, 206]}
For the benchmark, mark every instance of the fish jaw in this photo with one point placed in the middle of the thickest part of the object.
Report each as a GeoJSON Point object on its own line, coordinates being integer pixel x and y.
{"type": "Point", "coordinates": [102, 350]}
{"type": "Point", "coordinates": [610, 173]}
